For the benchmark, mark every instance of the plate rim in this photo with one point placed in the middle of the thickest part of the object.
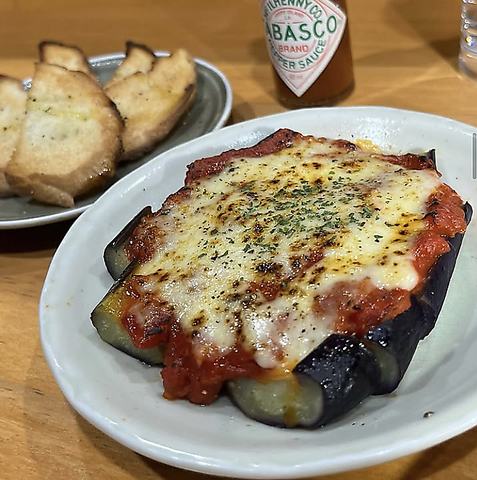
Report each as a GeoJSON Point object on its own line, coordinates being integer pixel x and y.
{"type": "Point", "coordinates": [218, 468]}
{"type": "Point", "coordinates": [74, 212]}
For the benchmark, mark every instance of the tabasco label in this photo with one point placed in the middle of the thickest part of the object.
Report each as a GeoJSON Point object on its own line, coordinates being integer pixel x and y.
{"type": "Point", "coordinates": [302, 37]}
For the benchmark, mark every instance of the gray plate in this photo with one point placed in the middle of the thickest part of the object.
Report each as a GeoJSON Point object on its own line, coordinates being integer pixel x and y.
{"type": "Point", "coordinates": [210, 111]}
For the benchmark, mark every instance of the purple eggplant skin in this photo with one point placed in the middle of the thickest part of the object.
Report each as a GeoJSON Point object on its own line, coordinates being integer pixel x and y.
{"type": "Point", "coordinates": [394, 342]}
{"type": "Point", "coordinates": [346, 370]}
{"type": "Point", "coordinates": [114, 255]}
{"type": "Point", "coordinates": [431, 155]}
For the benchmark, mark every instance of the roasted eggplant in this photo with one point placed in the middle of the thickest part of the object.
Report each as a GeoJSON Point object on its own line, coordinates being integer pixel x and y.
{"type": "Point", "coordinates": [106, 318]}
{"type": "Point", "coordinates": [115, 257]}
{"type": "Point", "coordinates": [342, 371]}
{"type": "Point", "coordinates": [331, 380]}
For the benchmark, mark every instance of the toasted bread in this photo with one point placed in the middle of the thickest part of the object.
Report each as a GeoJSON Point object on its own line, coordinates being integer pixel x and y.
{"type": "Point", "coordinates": [12, 110]}
{"type": "Point", "coordinates": [152, 103]}
{"type": "Point", "coordinates": [70, 140]}
{"type": "Point", "coordinates": [67, 56]}
{"type": "Point", "coordinates": [139, 58]}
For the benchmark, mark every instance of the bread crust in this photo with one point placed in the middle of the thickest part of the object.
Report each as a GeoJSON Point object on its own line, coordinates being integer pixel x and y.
{"type": "Point", "coordinates": [70, 57]}
{"type": "Point", "coordinates": [139, 58]}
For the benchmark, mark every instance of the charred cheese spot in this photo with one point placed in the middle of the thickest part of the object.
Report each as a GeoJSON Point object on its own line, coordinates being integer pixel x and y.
{"type": "Point", "coordinates": [264, 238]}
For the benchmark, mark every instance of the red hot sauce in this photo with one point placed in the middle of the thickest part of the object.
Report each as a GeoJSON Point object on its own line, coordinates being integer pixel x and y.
{"type": "Point", "coordinates": [309, 45]}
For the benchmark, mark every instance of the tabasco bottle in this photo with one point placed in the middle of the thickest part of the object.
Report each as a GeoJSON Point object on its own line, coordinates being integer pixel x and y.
{"type": "Point", "coordinates": [309, 45]}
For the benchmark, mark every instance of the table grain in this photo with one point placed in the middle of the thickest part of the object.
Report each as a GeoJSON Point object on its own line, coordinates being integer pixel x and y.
{"type": "Point", "coordinates": [405, 56]}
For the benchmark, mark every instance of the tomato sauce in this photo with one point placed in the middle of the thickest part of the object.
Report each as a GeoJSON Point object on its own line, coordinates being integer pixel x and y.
{"type": "Point", "coordinates": [201, 379]}
{"type": "Point", "coordinates": [445, 218]}
{"type": "Point", "coordinates": [144, 316]}
{"type": "Point", "coordinates": [359, 306]}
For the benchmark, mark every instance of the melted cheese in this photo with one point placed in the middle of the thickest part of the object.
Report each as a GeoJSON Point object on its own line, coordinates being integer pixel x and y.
{"type": "Point", "coordinates": [259, 222]}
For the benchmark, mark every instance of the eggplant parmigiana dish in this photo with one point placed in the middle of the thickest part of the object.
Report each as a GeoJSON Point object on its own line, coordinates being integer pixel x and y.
{"type": "Point", "coordinates": [297, 276]}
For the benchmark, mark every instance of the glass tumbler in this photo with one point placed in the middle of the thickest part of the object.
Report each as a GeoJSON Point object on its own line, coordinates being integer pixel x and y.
{"type": "Point", "coordinates": [468, 38]}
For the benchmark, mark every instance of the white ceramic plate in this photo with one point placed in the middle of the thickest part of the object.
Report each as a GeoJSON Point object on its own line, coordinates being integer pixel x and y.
{"type": "Point", "coordinates": [122, 397]}
{"type": "Point", "coordinates": [209, 112]}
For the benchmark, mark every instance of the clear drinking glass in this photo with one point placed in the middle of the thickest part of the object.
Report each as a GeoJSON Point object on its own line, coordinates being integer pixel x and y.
{"type": "Point", "coordinates": [468, 38]}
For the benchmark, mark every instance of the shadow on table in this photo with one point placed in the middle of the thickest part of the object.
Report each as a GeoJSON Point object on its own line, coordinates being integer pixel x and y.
{"type": "Point", "coordinates": [34, 238]}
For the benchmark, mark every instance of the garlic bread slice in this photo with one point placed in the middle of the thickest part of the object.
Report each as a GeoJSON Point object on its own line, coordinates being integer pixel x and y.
{"type": "Point", "coordinates": [12, 110]}
{"type": "Point", "coordinates": [152, 103]}
{"type": "Point", "coordinates": [139, 58]}
{"type": "Point", "coordinates": [70, 140]}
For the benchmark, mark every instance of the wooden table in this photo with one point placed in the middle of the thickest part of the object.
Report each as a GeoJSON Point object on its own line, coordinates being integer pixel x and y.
{"type": "Point", "coordinates": [405, 56]}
